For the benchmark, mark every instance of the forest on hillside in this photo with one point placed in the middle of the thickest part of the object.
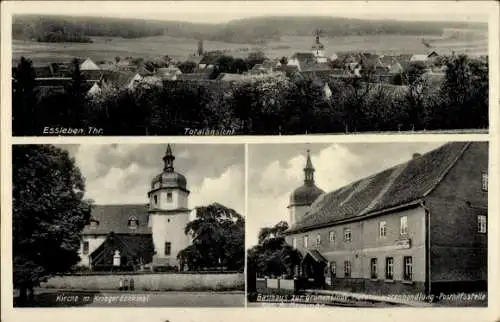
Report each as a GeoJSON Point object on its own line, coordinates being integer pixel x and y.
{"type": "Point", "coordinates": [45, 28]}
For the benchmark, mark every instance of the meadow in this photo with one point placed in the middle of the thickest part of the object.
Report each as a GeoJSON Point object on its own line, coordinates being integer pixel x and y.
{"type": "Point", "coordinates": [471, 42]}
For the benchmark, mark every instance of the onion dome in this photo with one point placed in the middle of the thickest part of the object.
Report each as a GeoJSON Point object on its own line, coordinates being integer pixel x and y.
{"type": "Point", "coordinates": [306, 194]}
{"type": "Point", "coordinates": [317, 45]}
{"type": "Point", "coordinates": [169, 178]}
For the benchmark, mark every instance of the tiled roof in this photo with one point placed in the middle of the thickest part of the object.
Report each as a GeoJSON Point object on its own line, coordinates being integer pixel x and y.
{"type": "Point", "coordinates": [143, 72]}
{"type": "Point", "coordinates": [42, 72]}
{"type": "Point", "coordinates": [131, 246]}
{"type": "Point", "coordinates": [304, 56]}
{"type": "Point", "coordinates": [92, 74]}
{"type": "Point", "coordinates": [193, 76]}
{"type": "Point", "coordinates": [114, 218]}
{"type": "Point", "coordinates": [118, 79]}
{"type": "Point", "coordinates": [399, 185]}
{"type": "Point", "coordinates": [316, 255]}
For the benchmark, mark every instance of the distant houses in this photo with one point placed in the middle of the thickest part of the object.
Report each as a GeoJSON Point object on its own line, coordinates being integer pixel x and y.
{"type": "Point", "coordinates": [120, 75]}
{"type": "Point", "coordinates": [315, 64]}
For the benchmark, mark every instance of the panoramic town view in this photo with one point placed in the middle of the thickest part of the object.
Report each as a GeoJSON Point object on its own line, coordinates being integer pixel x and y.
{"type": "Point", "coordinates": [368, 225]}
{"type": "Point", "coordinates": [128, 225]}
{"type": "Point", "coordinates": [267, 74]}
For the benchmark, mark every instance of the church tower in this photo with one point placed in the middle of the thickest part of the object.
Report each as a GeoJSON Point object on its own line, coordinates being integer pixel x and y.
{"type": "Point", "coordinates": [318, 49]}
{"type": "Point", "coordinates": [302, 198]}
{"type": "Point", "coordinates": [201, 51]}
{"type": "Point", "coordinates": [168, 213]}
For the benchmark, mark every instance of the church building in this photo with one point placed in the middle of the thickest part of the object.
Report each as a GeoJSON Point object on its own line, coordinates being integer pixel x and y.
{"type": "Point", "coordinates": [134, 236]}
{"type": "Point", "coordinates": [313, 59]}
{"type": "Point", "coordinates": [417, 228]}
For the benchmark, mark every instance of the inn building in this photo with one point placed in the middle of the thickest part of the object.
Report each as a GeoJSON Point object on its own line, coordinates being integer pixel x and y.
{"type": "Point", "coordinates": [418, 227]}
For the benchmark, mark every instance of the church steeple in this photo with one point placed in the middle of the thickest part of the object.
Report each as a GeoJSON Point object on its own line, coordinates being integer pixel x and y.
{"type": "Point", "coordinates": [309, 170]}
{"type": "Point", "coordinates": [168, 160]}
{"type": "Point", "coordinates": [317, 46]}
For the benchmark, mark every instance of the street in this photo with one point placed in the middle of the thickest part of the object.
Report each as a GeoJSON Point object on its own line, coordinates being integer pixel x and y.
{"type": "Point", "coordinates": [59, 298]}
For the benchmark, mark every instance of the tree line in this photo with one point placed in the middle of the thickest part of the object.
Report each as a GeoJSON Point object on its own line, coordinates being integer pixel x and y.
{"type": "Point", "coordinates": [291, 104]}
{"type": "Point", "coordinates": [252, 30]}
{"type": "Point", "coordinates": [68, 29]}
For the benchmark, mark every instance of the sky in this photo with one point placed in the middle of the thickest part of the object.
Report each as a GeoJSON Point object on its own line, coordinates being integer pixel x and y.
{"type": "Point", "coordinates": [275, 170]}
{"type": "Point", "coordinates": [122, 174]}
{"type": "Point", "coordinates": [223, 11]}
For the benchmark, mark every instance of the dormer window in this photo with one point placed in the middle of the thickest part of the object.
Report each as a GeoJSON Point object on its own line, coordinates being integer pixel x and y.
{"type": "Point", "coordinates": [94, 224]}
{"type": "Point", "coordinates": [133, 223]}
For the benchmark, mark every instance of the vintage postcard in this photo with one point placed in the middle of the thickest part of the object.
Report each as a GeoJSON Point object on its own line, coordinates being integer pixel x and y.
{"type": "Point", "coordinates": [128, 225]}
{"type": "Point", "coordinates": [255, 69]}
{"type": "Point", "coordinates": [212, 161]}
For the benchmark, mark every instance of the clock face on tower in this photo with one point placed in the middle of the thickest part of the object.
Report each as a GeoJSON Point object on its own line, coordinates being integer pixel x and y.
{"type": "Point", "coordinates": [157, 185]}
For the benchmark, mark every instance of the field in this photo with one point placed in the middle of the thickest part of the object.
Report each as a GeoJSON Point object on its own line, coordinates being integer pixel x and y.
{"type": "Point", "coordinates": [471, 42]}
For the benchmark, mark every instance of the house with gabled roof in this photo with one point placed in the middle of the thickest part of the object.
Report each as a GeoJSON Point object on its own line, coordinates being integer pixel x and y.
{"type": "Point", "coordinates": [88, 64]}
{"type": "Point", "coordinates": [302, 60]}
{"type": "Point", "coordinates": [419, 227]}
{"type": "Point", "coordinates": [144, 76]}
{"type": "Point", "coordinates": [209, 60]}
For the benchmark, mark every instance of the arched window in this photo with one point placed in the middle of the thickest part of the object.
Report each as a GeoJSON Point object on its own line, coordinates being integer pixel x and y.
{"type": "Point", "coordinates": [133, 223]}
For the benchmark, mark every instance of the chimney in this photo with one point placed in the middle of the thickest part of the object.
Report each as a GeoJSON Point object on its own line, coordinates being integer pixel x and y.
{"type": "Point", "coordinates": [416, 155]}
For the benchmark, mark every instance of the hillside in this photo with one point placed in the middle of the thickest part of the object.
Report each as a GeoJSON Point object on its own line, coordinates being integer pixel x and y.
{"type": "Point", "coordinates": [249, 31]}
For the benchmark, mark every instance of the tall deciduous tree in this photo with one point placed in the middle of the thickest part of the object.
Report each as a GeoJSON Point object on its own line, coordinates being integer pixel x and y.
{"type": "Point", "coordinates": [272, 256]}
{"type": "Point", "coordinates": [218, 235]}
{"type": "Point", "coordinates": [465, 93]}
{"type": "Point", "coordinates": [414, 72]}
{"type": "Point", "coordinates": [48, 213]}
{"type": "Point", "coordinates": [24, 99]}
{"type": "Point", "coordinates": [76, 94]}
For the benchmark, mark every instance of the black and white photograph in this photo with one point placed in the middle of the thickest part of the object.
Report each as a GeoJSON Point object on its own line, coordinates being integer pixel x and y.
{"type": "Point", "coordinates": [154, 225]}
{"type": "Point", "coordinates": [368, 224]}
{"type": "Point", "coordinates": [249, 68]}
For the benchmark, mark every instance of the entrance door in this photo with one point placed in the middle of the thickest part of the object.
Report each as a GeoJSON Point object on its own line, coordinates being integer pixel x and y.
{"type": "Point", "coordinates": [314, 271]}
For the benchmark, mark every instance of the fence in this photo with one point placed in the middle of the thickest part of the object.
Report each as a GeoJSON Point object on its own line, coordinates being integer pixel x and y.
{"type": "Point", "coordinates": [277, 284]}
